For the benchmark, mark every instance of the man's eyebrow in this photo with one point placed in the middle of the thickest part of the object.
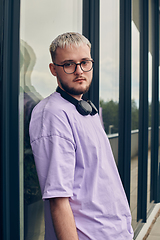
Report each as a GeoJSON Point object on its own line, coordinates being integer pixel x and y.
{"type": "Point", "coordinates": [66, 61]}
{"type": "Point", "coordinates": [87, 58]}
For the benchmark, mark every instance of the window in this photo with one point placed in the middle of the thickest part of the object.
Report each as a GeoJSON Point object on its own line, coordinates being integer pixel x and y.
{"type": "Point", "coordinates": [109, 70]}
{"type": "Point", "coordinates": [150, 64]}
{"type": "Point", "coordinates": [41, 22]}
{"type": "Point", "coordinates": [135, 60]}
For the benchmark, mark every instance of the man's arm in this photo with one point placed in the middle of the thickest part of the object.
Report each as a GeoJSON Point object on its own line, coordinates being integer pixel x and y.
{"type": "Point", "coordinates": [63, 219]}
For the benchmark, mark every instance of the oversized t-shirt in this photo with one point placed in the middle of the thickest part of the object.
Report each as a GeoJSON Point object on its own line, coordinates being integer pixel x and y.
{"type": "Point", "coordinates": [74, 159]}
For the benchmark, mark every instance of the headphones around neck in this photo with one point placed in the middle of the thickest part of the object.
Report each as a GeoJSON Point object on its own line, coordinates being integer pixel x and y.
{"type": "Point", "coordinates": [83, 107]}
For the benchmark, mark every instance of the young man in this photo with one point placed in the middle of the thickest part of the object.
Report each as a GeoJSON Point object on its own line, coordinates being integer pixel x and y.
{"type": "Point", "coordinates": [81, 188]}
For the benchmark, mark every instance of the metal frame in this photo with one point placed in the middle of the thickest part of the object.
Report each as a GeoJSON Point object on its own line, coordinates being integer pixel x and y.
{"type": "Point", "coordinates": [143, 114]}
{"type": "Point", "coordinates": [155, 103]}
{"type": "Point", "coordinates": [91, 23]}
{"type": "Point", "coordinates": [10, 119]}
{"type": "Point", "coordinates": [1, 92]}
{"type": "Point", "coordinates": [124, 144]}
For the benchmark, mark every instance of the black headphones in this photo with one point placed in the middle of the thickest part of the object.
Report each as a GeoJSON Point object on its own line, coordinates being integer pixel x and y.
{"type": "Point", "coordinates": [83, 107]}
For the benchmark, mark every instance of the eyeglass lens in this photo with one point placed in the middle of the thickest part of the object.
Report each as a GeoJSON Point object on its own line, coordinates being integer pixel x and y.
{"type": "Point", "coordinates": [86, 66]}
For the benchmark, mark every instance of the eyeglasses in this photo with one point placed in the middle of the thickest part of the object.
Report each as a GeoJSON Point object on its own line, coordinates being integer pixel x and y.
{"type": "Point", "coordinates": [70, 67]}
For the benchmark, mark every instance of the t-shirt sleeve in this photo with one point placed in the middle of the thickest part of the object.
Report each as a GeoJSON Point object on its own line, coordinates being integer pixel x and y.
{"type": "Point", "coordinates": [55, 163]}
{"type": "Point", "coordinates": [53, 148]}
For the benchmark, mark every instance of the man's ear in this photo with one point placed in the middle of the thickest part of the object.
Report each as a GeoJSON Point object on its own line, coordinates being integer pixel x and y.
{"type": "Point", "coordinates": [52, 69]}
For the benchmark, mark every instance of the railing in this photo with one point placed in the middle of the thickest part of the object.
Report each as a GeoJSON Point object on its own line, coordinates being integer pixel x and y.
{"type": "Point", "coordinates": [113, 138]}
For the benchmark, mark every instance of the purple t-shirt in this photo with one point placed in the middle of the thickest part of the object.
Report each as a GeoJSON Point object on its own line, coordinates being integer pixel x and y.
{"type": "Point", "coordinates": [74, 159]}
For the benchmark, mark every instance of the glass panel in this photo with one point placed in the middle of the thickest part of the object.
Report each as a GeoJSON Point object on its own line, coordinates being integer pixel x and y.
{"type": "Point", "coordinates": [159, 120]}
{"type": "Point", "coordinates": [109, 70]}
{"type": "Point", "coordinates": [150, 104]}
{"type": "Point", "coordinates": [41, 22]}
{"type": "Point", "coordinates": [159, 138]}
{"type": "Point", "coordinates": [135, 110]}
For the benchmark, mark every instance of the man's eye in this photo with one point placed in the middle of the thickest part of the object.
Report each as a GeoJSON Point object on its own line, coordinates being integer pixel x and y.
{"type": "Point", "coordinates": [67, 65]}
{"type": "Point", "coordinates": [84, 62]}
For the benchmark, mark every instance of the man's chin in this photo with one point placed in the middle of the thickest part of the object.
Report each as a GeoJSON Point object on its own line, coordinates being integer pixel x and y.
{"type": "Point", "coordinates": [76, 92]}
{"type": "Point", "coordinates": [79, 91]}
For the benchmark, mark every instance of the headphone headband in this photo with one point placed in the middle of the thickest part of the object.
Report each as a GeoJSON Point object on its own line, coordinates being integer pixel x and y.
{"type": "Point", "coordinates": [83, 107]}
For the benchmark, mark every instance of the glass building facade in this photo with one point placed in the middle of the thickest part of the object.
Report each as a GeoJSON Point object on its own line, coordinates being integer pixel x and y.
{"type": "Point", "coordinates": [125, 48]}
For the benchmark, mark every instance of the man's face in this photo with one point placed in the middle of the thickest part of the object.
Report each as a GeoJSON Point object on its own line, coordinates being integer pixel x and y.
{"type": "Point", "coordinates": [77, 83]}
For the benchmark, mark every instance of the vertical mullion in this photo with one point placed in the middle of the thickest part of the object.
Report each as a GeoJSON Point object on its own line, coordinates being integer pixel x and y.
{"type": "Point", "coordinates": [1, 94]}
{"type": "Point", "coordinates": [143, 114]}
{"type": "Point", "coordinates": [124, 145]}
{"type": "Point", "coordinates": [155, 102]}
{"type": "Point", "coordinates": [91, 22]}
{"type": "Point", "coordinates": [10, 120]}
{"type": "Point", "coordinates": [5, 125]}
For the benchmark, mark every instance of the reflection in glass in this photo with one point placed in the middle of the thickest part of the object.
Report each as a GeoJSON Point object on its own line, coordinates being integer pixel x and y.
{"type": "Point", "coordinates": [134, 110]}
{"type": "Point", "coordinates": [109, 69]}
{"type": "Point", "coordinates": [41, 22]}
{"type": "Point", "coordinates": [149, 129]}
{"type": "Point", "coordinates": [32, 194]}
{"type": "Point", "coordinates": [149, 104]}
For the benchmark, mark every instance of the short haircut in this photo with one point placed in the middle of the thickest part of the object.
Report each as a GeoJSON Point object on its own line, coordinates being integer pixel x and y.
{"type": "Point", "coordinates": [67, 39]}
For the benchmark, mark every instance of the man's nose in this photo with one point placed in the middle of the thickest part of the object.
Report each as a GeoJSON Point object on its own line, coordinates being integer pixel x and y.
{"type": "Point", "coordinates": [78, 69]}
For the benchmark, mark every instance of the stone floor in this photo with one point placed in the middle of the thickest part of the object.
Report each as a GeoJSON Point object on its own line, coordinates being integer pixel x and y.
{"type": "Point", "coordinates": [134, 188]}
{"type": "Point", "coordinates": [154, 233]}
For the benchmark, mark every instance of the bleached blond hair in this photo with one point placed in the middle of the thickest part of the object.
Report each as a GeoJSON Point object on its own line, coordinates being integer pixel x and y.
{"type": "Point", "coordinates": [67, 39]}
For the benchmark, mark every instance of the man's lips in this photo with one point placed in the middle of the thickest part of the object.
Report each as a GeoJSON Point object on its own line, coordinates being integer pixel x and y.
{"type": "Point", "coordinates": [79, 79]}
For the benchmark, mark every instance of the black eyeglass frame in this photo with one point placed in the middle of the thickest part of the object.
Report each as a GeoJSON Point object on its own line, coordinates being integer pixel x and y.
{"type": "Point", "coordinates": [62, 65]}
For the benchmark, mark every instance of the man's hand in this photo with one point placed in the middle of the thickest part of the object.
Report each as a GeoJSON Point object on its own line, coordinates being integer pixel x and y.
{"type": "Point", "coordinates": [63, 219]}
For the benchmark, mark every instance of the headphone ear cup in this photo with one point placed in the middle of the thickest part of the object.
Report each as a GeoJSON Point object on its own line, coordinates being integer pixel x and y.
{"type": "Point", "coordinates": [94, 109]}
{"type": "Point", "coordinates": [84, 108]}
